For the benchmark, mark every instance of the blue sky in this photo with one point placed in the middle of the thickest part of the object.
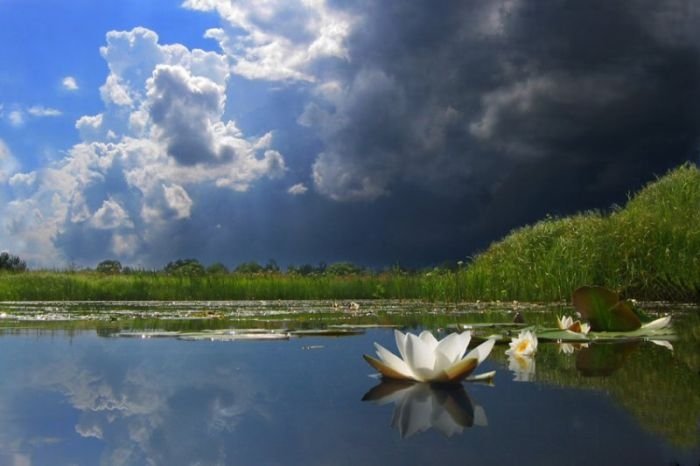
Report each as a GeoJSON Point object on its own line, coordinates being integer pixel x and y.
{"type": "Point", "coordinates": [47, 41]}
{"type": "Point", "coordinates": [321, 130]}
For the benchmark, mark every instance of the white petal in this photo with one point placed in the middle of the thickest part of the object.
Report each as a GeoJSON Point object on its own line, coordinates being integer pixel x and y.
{"type": "Point", "coordinates": [485, 377]}
{"type": "Point", "coordinates": [657, 324]}
{"type": "Point", "coordinates": [419, 357]}
{"type": "Point", "coordinates": [442, 362]}
{"type": "Point", "coordinates": [482, 351]}
{"type": "Point", "coordinates": [393, 361]}
{"type": "Point", "coordinates": [453, 346]}
{"type": "Point", "coordinates": [561, 322]}
{"type": "Point", "coordinates": [429, 339]}
{"type": "Point", "coordinates": [400, 338]}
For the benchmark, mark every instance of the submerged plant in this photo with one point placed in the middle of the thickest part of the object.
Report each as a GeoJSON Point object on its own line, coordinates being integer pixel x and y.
{"type": "Point", "coordinates": [425, 359]}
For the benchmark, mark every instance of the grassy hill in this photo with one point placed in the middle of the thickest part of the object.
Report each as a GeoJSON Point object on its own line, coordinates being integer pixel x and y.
{"type": "Point", "coordinates": [648, 249]}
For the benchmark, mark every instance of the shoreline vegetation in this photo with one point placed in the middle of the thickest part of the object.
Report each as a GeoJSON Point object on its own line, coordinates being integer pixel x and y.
{"type": "Point", "coordinates": [649, 250]}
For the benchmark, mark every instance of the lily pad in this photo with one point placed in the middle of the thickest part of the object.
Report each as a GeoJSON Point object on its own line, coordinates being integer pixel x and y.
{"type": "Point", "coordinates": [216, 336]}
{"type": "Point", "coordinates": [561, 335]}
{"type": "Point", "coordinates": [329, 332]}
{"type": "Point", "coordinates": [604, 310]}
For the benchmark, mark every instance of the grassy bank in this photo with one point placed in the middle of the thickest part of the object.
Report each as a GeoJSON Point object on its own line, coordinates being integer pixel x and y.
{"type": "Point", "coordinates": [649, 249]}
{"type": "Point", "coordinates": [40, 286]}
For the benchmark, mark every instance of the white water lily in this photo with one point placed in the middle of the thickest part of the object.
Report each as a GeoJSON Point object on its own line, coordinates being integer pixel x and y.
{"type": "Point", "coordinates": [525, 344]}
{"type": "Point", "coordinates": [658, 324]}
{"type": "Point", "coordinates": [425, 359]}
{"type": "Point", "coordinates": [565, 322]}
{"type": "Point", "coordinates": [568, 323]}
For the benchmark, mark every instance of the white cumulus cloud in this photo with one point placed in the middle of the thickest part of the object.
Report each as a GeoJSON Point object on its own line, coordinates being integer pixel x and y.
{"type": "Point", "coordinates": [70, 84]}
{"type": "Point", "coordinates": [41, 111]}
{"type": "Point", "coordinates": [16, 118]}
{"type": "Point", "coordinates": [8, 163]}
{"type": "Point", "coordinates": [279, 39]}
{"type": "Point", "coordinates": [111, 215]}
{"type": "Point", "coordinates": [178, 200]}
{"type": "Point", "coordinates": [161, 136]}
{"type": "Point", "coordinates": [297, 189]}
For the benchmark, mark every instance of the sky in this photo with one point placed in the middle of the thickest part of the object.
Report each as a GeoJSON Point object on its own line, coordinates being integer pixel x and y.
{"type": "Point", "coordinates": [377, 132]}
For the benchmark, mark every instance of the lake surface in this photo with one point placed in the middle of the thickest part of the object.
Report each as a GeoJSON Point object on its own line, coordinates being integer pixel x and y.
{"type": "Point", "coordinates": [80, 392]}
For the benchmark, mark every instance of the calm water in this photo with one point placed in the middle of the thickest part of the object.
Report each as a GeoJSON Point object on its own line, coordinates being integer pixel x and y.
{"type": "Point", "coordinates": [86, 398]}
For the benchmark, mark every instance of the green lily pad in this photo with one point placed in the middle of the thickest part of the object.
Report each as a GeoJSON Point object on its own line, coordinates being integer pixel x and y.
{"type": "Point", "coordinates": [561, 335]}
{"type": "Point", "coordinates": [604, 310]}
{"type": "Point", "coordinates": [641, 333]}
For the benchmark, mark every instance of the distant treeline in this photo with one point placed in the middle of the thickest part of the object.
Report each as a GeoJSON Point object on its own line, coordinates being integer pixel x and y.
{"type": "Point", "coordinates": [192, 267]}
{"type": "Point", "coordinates": [649, 249]}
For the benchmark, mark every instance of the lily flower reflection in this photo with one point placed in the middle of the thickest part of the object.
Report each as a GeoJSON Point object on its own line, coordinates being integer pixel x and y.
{"type": "Point", "coordinates": [522, 367]}
{"type": "Point", "coordinates": [568, 323]}
{"type": "Point", "coordinates": [663, 343]}
{"type": "Point", "coordinates": [569, 348]}
{"type": "Point", "coordinates": [425, 359]}
{"type": "Point", "coordinates": [422, 406]}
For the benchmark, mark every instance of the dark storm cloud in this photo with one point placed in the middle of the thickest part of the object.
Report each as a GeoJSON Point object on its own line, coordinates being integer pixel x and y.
{"type": "Point", "coordinates": [530, 107]}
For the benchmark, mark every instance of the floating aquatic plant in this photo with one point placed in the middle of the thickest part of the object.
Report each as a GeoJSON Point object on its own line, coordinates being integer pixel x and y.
{"type": "Point", "coordinates": [425, 359]}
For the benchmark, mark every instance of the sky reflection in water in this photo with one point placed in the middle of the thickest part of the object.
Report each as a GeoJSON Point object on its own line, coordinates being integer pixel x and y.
{"type": "Point", "coordinates": [90, 400]}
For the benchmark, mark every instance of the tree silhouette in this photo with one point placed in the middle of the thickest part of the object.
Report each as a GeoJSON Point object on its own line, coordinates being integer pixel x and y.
{"type": "Point", "coordinates": [12, 263]}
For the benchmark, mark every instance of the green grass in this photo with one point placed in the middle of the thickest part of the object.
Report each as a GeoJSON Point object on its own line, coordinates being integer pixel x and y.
{"type": "Point", "coordinates": [650, 250]}
{"type": "Point", "coordinates": [40, 286]}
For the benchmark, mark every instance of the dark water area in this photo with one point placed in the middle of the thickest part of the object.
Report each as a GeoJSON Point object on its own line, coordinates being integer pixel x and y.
{"type": "Point", "coordinates": [85, 397]}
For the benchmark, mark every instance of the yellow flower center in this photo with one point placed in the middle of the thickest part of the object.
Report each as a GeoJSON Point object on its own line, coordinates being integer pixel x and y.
{"type": "Point", "coordinates": [522, 346]}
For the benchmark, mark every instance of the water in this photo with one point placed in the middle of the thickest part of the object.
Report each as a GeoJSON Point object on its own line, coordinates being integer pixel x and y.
{"type": "Point", "coordinates": [84, 396]}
